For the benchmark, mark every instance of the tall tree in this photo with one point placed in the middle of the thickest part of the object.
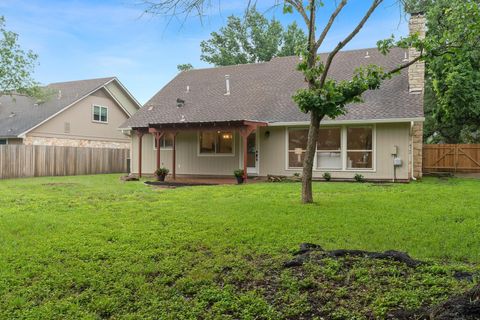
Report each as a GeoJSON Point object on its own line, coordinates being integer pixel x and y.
{"type": "Point", "coordinates": [251, 39]}
{"type": "Point", "coordinates": [325, 96]}
{"type": "Point", "coordinates": [16, 64]}
{"type": "Point", "coordinates": [452, 103]}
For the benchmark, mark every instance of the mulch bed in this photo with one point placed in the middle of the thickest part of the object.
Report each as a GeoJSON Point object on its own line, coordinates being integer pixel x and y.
{"type": "Point", "coordinates": [173, 184]}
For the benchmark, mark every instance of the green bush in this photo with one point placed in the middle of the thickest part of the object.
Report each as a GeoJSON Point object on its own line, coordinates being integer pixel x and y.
{"type": "Point", "coordinates": [359, 178]}
{"type": "Point", "coordinates": [161, 172]}
{"type": "Point", "coordinates": [327, 176]}
{"type": "Point", "coordinates": [238, 173]}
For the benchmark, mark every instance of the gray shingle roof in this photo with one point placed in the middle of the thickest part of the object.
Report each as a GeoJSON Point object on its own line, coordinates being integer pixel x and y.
{"type": "Point", "coordinates": [19, 113]}
{"type": "Point", "coordinates": [263, 92]}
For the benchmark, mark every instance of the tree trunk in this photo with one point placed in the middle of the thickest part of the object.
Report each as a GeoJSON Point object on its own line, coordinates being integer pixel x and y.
{"type": "Point", "coordinates": [307, 195]}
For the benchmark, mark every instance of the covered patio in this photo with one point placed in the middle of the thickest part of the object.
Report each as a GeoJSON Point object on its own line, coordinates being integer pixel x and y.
{"type": "Point", "coordinates": [159, 130]}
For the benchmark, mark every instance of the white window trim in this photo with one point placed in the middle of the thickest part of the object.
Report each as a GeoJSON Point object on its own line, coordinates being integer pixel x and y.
{"type": "Point", "coordinates": [161, 148]}
{"type": "Point", "coordinates": [215, 154]}
{"type": "Point", "coordinates": [93, 114]}
{"type": "Point", "coordinates": [343, 150]}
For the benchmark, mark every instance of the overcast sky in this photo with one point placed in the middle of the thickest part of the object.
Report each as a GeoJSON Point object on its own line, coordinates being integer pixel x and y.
{"type": "Point", "coordinates": [90, 38]}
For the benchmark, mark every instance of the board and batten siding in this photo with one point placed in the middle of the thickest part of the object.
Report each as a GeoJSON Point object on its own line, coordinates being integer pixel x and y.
{"type": "Point", "coordinates": [273, 155]}
{"type": "Point", "coordinates": [189, 162]}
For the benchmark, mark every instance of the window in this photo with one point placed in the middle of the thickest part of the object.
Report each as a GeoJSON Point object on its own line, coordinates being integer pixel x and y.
{"type": "Point", "coordinates": [338, 148]}
{"type": "Point", "coordinates": [166, 142]}
{"type": "Point", "coordinates": [3, 141]}
{"type": "Point", "coordinates": [219, 142]}
{"type": "Point", "coordinates": [329, 148]}
{"type": "Point", "coordinates": [100, 114]}
{"type": "Point", "coordinates": [360, 148]}
{"type": "Point", "coordinates": [297, 145]}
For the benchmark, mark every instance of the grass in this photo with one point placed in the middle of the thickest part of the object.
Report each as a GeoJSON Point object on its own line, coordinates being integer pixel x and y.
{"type": "Point", "coordinates": [93, 247]}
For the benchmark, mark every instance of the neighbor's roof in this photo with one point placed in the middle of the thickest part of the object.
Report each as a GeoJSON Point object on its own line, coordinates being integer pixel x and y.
{"type": "Point", "coordinates": [19, 113]}
{"type": "Point", "coordinates": [263, 92]}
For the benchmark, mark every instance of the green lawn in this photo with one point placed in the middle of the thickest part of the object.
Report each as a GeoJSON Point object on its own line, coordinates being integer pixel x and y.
{"type": "Point", "coordinates": [94, 247]}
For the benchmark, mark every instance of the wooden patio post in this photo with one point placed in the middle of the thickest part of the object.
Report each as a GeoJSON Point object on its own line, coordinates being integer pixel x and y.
{"type": "Point", "coordinates": [140, 136]}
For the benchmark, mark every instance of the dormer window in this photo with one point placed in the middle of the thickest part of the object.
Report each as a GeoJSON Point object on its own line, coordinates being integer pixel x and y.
{"type": "Point", "coordinates": [100, 114]}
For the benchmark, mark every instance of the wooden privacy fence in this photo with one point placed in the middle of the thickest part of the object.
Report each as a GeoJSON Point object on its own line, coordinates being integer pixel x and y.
{"type": "Point", "coordinates": [20, 161]}
{"type": "Point", "coordinates": [451, 158]}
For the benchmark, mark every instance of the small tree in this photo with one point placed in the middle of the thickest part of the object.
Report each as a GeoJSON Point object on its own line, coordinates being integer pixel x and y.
{"type": "Point", "coordinates": [184, 67]}
{"type": "Point", "coordinates": [16, 65]}
{"type": "Point", "coordinates": [325, 96]}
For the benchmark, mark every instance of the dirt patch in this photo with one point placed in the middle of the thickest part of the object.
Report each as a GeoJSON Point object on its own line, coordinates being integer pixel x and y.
{"type": "Point", "coordinates": [460, 307]}
{"type": "Point", "coordinates": [303, 255]}
{"type": "Point", "coordinates": [172, 184]}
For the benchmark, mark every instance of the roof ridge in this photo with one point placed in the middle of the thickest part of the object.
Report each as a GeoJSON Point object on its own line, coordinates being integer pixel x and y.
{"type": "Point", "coordinates": [92, 79]}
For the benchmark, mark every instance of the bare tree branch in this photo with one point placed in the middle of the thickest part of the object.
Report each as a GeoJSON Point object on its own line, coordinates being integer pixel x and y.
{"type": "Point", "coordinates": [345, 41]}
{"type": "Point", "coordinates": [329, 24]}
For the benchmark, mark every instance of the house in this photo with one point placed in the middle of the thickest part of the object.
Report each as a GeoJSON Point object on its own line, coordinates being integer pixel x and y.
{"type": "Point", "coordinates": [209, 122]}
{"type": "Point", "coordinates": [84, 113]}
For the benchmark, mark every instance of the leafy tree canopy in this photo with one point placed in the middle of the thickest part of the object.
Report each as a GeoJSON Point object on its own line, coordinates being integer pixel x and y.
{"type": "Point", "coordinates": [184, 67]}
{"type": "Point", "coordinates": [252, 39]}
{"type": "Point", "coordinates": [452, 103]}
{"type": "Point", "coordinates": [16, 65]}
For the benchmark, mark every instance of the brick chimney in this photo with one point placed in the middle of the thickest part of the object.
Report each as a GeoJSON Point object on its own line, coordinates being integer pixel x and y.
{"type": "Point", "coordinates": [416, 72]}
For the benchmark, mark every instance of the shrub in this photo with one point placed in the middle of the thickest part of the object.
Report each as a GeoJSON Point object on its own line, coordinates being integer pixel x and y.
{"type": "Point", "coordinates": [238, 173]}
{"type": "Point", "coordinates": [327, 176]}
{"type": "Point", "coordinates": [359, 178]}
{"type": "Point", "coordinates": [161, 172]}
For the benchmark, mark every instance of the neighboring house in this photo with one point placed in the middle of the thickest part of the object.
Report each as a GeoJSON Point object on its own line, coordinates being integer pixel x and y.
{"type": "Point", "coordinates": [209, 122]}
{"type": "Point", "coordinates": [84, 113]}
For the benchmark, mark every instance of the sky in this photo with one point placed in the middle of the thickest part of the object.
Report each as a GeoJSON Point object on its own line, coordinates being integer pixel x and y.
{"type": "Point", "coordinates": [90, 39]}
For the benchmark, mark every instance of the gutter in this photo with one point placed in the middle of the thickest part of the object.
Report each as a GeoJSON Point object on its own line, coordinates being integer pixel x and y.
{"type": "Point", "coordinates": [362, 121]}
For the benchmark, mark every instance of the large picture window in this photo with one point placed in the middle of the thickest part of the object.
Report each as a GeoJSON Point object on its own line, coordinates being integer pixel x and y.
{"type": "Point", "coordinates": [329, 148]}
{"type": "Point", "coordinates": [100, 114]}
{"type": "Point", "coordinates": [338, 148]}
{"type": "Point", "coordinates": [297, 145]}
{"type": "Point", "coordinates": [216, 142]}
{"type": "Point", "coordinates": [166, 142]}
{"type": "Point", "coordinates": [3, 141]}
{"type": "Point", "coordinates": [360, 148]}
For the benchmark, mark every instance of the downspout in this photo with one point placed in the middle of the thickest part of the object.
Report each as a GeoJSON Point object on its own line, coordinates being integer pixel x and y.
{"type": "Point", "coordinates": [411, 150]}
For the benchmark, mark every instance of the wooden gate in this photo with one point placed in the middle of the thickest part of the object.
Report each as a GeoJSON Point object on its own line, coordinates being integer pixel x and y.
{"type": "Point", "coordinates": [451, 158]}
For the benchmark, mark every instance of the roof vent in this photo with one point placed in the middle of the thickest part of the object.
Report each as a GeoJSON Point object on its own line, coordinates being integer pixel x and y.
{"type": "Point", "coordinates": [12, 114]}
{"type": "Point", "coordinates": [405, 58]}
{"type": "Point", "coordinates": [188, 88]}
{"type": "Point", "coordinates": [183, 118]}
{"type": "Point", "coordinates": [367, 55]}
{"type": "Point", "coordinates": [150, 107]}
{"type": "Point", "coordinates": [59, 95]}
{"type": "Point", "coordinates": [227, 84]}
{"type": "Point", "coordinates": [180, 103]}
